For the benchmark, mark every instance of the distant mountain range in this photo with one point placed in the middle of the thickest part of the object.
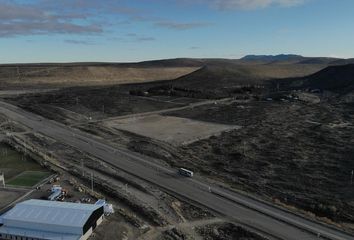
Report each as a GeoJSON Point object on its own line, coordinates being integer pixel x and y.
{"type": "Point", "coordinates": [294, 59]}
{"type": "Point", "coordinates": [272, 58]}
{"type": "Point", "coordinates": [249, 59]}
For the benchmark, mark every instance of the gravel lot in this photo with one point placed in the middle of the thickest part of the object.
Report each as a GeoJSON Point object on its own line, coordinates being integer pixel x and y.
{"type": "Point", "coordinates": [174, 130]}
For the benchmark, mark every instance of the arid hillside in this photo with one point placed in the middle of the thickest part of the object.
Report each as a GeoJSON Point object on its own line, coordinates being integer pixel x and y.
{"type": "Point", "coordinates": [333, 78]}
{"type": "Point", "coordinates": [241, 74]}
{"type": "Point", "coordinates": [287, 144]}
{"type": "Point", "coordinates": [229, 79]}
{"type": "Point", "coordinates": [214, 71]}
{"type": "Point", "coordinates": [64, 75]}
{"type": "Point", "coordinates": [333, 81]}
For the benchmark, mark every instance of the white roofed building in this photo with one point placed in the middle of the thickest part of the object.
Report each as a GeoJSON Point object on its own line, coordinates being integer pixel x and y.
{"type": "Point", "coordinates": [39, 219]}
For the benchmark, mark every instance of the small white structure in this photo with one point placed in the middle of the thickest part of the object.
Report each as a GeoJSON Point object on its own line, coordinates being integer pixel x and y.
{"type": "Point", "coordinates": [108, 208]}
{"type": "Point", "coordinates": [40, 219]}
{"type": "Point", "coordinates": [56, 188]}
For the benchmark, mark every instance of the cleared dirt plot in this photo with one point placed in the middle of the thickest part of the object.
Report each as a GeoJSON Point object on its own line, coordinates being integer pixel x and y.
{"type": "Point", "coordinates": [174, 130]}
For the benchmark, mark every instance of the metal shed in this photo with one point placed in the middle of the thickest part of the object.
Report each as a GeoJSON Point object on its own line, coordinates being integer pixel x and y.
{"type": "Point", "coordinates": [39, 219]}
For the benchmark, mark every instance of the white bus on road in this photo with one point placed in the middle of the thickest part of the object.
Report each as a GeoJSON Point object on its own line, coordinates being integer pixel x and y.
{"type": "Point", "coordinates": [185, 172]}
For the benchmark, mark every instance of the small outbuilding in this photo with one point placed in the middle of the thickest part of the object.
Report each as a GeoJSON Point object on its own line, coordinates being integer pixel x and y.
{"type": "Point", "coordinates": [49, 220]}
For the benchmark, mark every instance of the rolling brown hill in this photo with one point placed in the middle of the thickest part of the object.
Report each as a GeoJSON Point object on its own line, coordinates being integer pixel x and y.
{"type": "Point", "coordinates": [216, 80]}
{"type": "Point", "coordinates": [212, 73]}
{"type": "Point", "coordinates": [234, 75]}
{"type": "Point", "coordinates": [334, 81]}
{"type": "Point", "coordinates": [339, 79]}
{"type": "Point", "coordinates": [34, 76]}
{"type": "Point", "coordinates": [333, 78]}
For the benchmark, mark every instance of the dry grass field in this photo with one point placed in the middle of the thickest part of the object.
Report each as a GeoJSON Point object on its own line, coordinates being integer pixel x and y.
{"type": "Point", "coordinates": [34, 76]}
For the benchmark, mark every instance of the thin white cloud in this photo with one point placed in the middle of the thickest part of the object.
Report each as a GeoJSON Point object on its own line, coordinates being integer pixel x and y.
{"type": "Point", "coordinates": [133, 37]}
{"type": "Point", "coordinates": [181, 25]}
{"type": "Point", "coordinates": [91, 17]}
{"type": "Point", "coordinates": [194, 48]}
{"type": "Point", "coordinates": [247, 4]}
{"type": "Point", "coordinates": [79, 42]}
{"type": "Point", "coordinates": [81, 17]}
{"type": "Point", "coordinates": [21, 19]}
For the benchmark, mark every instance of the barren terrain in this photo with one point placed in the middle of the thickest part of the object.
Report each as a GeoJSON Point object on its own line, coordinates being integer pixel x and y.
{"type": "Point", "coordinates": [29, 76]}
{"type": "Point", "coordinates": [77, 105]}
{"type": "Point", "coordinates": [65, 75]}
{"type": "Point", "coordinates": [290, 147]}
{"type": "Point", "coordinates": [297, 153]}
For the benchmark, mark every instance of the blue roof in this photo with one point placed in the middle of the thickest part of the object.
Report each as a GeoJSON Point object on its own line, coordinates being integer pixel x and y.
{"type": "Point", "coordinates": [38, 234]}
{"type": "Point", "coordinates": [50, 213]}
{"type": "Point", "coordinates": [62, 205]}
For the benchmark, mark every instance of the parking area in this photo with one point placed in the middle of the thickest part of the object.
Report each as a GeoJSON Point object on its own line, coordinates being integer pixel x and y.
{"type": "Point", "coordinates": [7, 196]}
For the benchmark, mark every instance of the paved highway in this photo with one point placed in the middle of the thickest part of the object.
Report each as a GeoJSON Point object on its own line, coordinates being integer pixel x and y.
{"type": "Point", "coordinates": [265, 218]}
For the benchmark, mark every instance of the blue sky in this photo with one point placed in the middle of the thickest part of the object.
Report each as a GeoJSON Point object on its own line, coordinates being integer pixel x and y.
{"type": "Point", "coordinates": [137, 30]}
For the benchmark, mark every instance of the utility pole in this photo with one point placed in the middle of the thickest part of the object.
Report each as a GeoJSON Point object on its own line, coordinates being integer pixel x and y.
{"type": "Point", "coordinates": [244, 141]}
{"type": "Point", "coordinates": [18, 73]}
{"type": "Point", "coordinates": [92, 181]}
{"type": "Point", "coordinates": [2, 179]}
{"type": "Point", "coordinates": [4, 152]}
{"type": "Point", "coordinates": [82, 167]}
{"type": "Point", "coordinates": [11, 127]}
{"type": "Point", "coordinates": [25, 149]}
{"type": "Point", "coordinates": [244, 148]}
{"type": "Point", "coordinates": [351, 178]}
